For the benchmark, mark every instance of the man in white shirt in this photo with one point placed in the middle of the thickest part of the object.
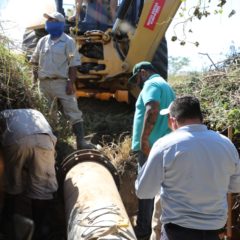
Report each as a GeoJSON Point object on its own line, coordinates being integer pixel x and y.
{"type": "Point", "coordinates": [193, 168]}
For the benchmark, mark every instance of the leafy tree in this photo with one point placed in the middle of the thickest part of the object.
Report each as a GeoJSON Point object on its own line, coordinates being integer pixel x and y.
{"type": "Point", "coordinates": [177, 63]}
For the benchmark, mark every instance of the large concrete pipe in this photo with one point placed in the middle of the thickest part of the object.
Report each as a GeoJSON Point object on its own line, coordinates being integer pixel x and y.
{"type": "Point", "coordinates": [94, 209]}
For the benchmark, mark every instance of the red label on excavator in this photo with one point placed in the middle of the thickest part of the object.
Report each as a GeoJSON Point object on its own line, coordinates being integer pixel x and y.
{"type": "Point", "coordinates": [154, 14]}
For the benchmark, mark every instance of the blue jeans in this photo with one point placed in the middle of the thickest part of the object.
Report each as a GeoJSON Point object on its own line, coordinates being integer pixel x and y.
{"type": "Point", "coordinates": [172, 231]}
{"type": "Point", "coordinates": [145, 208]}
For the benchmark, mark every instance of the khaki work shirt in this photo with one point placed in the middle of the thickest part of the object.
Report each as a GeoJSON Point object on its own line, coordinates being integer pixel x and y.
{"type": "Point", "coordinates": [23, 122]}
{"type": "Point", "coordinates": [54, 57]}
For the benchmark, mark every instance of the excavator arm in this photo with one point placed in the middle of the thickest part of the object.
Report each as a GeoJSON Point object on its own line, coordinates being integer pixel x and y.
{"type": "Point", "coordinates": [155, 18]}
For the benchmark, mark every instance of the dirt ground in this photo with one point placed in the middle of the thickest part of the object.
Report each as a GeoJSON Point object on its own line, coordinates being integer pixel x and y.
{"type": "Point", "coordinates": [110, 120]}
{"type": "Point", "coordinates": [104, 121]}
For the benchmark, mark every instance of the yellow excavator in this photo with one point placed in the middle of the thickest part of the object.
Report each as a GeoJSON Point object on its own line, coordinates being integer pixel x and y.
{"type": "Point", "coordinates": [108, 53]}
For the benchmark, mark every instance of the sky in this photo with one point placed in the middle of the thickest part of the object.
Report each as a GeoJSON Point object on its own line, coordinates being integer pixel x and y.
{"type": "Point", "coordinates": [215, 33]}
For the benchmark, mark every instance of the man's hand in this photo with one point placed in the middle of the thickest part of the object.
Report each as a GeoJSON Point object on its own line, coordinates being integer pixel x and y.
{"type": "Point", "coordinates": [34, 73]}
{"type": "Point", "coordinates": [70, 89]}
{"type": "Point", "coordinates": [145, 147]}
{"type": "Point", "coordinates": [34, 77]}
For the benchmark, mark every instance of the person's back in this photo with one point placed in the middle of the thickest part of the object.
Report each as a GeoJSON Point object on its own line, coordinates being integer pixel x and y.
{"type": "Point", "coordinates": [193, 168]}
{"type": "Point", "coordinates": [23, 122]}
{"type": "Point", "coordinates": [96, 17]}
{"type": "Point", "coordinates": [28, 147]}
{"type": "Point", "coordinates": [198, 167]}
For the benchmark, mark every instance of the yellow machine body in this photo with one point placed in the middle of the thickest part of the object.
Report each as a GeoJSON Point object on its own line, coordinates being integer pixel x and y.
{"type": "Point", "coordinates": [140, 45]}
{"type": "Point", "coordinates": [107, 76]}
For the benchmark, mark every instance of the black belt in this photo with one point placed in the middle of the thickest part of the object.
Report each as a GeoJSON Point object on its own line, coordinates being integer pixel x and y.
{"type": "Point", "coordinates": [175, 227]}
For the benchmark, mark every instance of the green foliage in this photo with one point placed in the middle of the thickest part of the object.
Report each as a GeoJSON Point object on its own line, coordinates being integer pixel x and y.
{"type": "Point", "coordinates": [14, 80]}
{"type": "Point", "coordinates": [177, 63]}
{"type": "Point", "coordinates": [17, 91]}
{"type": "Point", "coordinates": [234, 114]}
{"type": "Point", "coordinates": [218, 93]}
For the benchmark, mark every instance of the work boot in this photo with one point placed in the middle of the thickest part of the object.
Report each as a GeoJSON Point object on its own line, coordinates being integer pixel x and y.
{"type": "Point", "coordinates": [79, 132]}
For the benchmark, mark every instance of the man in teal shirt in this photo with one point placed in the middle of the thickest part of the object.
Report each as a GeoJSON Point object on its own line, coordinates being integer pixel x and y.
{"type": "Point", "coordinates": [148, 127]}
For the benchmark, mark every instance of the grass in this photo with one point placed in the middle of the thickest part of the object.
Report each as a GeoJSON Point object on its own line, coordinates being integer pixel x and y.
{"type": "Point", "coordinates": [119, 153]}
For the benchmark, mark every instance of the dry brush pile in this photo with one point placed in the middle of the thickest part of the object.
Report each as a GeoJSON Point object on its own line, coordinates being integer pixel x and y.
{"type": "Point", "coordinates": [219, 94]}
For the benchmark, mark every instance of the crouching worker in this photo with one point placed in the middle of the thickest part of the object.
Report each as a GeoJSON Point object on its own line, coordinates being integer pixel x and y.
{"type": "Point", "coordinates": [28, 147]}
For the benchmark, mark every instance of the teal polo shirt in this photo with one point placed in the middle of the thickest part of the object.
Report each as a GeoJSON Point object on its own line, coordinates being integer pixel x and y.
{"type": "Point", "coordinates": [154, 89]}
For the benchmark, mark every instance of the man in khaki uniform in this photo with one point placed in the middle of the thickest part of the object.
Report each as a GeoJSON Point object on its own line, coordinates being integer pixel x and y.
{"type": "Point", "coordinates": [54, 63]}
{"type": "Point", "coordinates": [28, 148]}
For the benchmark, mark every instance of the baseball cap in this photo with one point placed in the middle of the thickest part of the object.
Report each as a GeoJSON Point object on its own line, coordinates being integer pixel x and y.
{"type": "Point", "coordinates": [185, 107]}
{"type": "Point", "coordinates": [138, 67]}
{"type": "Point", "coordinates": [56, 15]}
{"type": "Point", "coordinates": [166, 111]}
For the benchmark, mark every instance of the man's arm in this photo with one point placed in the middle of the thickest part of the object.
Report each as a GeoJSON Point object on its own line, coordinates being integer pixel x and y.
{"type": "Point", "coordinates": [150, 118]}
{"type": "Point", "coordinates": [151, 175]}
{"type": "Point", "coordinates": [35, 61]}
{"type": "Point", "coordinates": [34, 72]}
{"type": "Point", "coordinates": [73, 57]}
{"type": "Point", "coordinates": [78, 5]}
{"type": "Point", "coordinates": [113, 9]}
{"type": "Point", "coordinates": [234, 185]}
{"type": "Point", "coordinates": [70, 89]}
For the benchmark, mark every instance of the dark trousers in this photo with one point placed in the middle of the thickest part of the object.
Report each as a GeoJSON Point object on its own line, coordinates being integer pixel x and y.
{"type": "Point", "coordinates": [144, 217]}
{"type": "Point", "coordinates": [145, 208]}
{"type": "Point", "coordinates": [172, 231]}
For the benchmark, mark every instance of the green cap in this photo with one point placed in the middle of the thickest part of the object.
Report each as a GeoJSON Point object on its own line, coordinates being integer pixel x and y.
{"type": "Point", "coordinates": [138, 67]}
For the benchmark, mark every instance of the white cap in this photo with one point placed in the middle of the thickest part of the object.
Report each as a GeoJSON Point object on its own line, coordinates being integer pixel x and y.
{"type": "Point", "coordinates": [56, 15]}
{"type": "Point", "coordinates": [166, 111]}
